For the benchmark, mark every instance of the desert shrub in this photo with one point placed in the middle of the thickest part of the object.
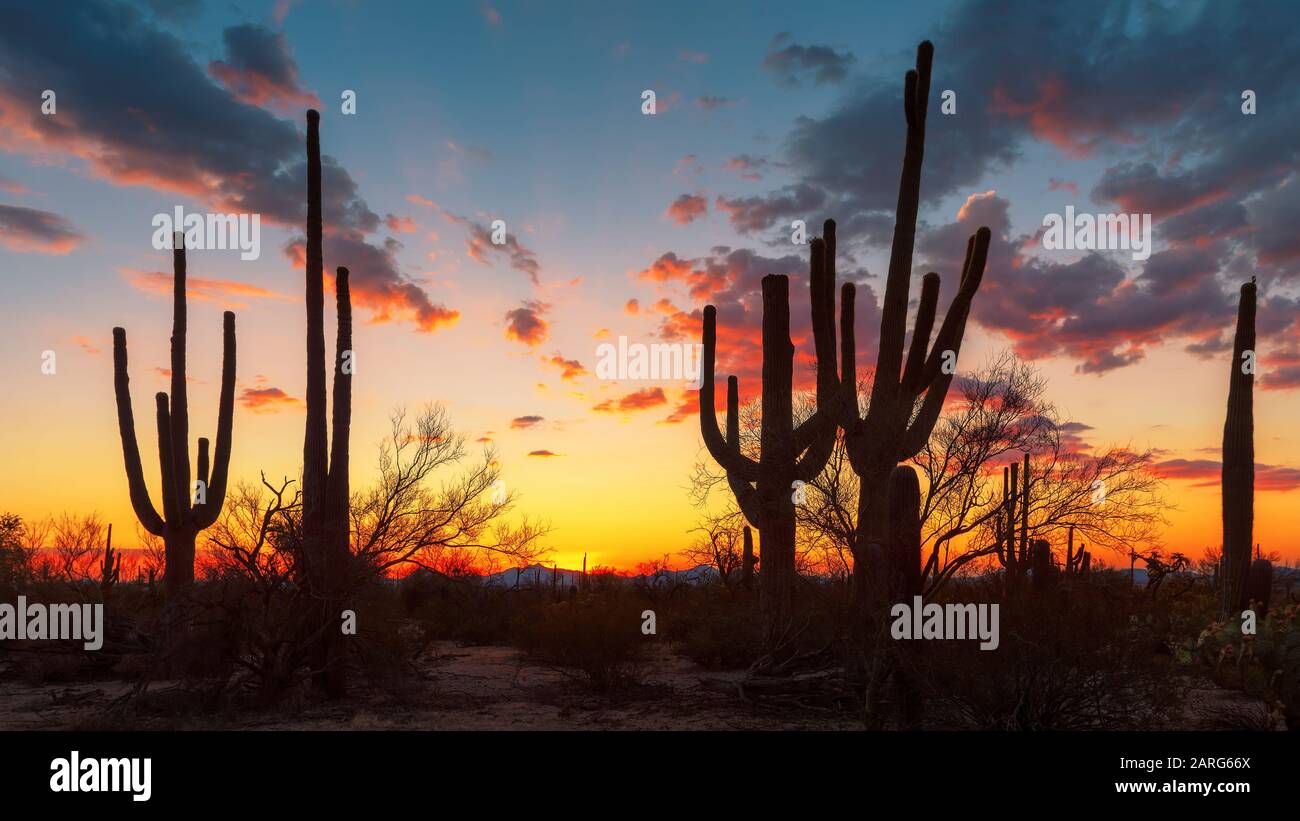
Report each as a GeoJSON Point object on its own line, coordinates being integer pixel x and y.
{"type": "Point", "coordinates": [1265, 665]}
{"type": "Point", "coordinates": [1082, 657]}
{"type": "Point", "coordinates": [598, 638]}
{"type": "Point", "coordinates": [717, 629]}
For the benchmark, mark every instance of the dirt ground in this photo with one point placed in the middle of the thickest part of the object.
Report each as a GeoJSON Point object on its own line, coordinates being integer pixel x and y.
{"type": "Point", "coordinates": [477, 688]}
{"type": "Point", "coordinates": [460, 688]}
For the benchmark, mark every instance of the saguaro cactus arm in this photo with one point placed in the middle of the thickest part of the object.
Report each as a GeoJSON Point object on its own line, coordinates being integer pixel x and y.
{"type": "Point", "coordinates": [731, 460]}
{"type": "Point", "coordinates": [149, 518]}
{"type": "Point", "coordinates": [171, 505]}
{"type": "Point", "coordinates": [745, 492]}
{"type": "Point", "coordinates": [205, 515]}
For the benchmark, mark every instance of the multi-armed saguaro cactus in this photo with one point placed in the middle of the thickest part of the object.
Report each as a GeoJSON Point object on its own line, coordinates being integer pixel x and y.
{"type": "Point", "coordinates": [187, 509]}
{"type": "Point", "coordinates": [894, 428]}
{"type": "Point", "coordinates": [765, 488]}
{"type": "Point", "coordinates": [1014, 550]}
{"type": "Point", "coordinates": [1077, 563]}
{"type": "Point", "coordinates": [1239, 459]}
{"type": "Point", "coordinates": [325, 500]}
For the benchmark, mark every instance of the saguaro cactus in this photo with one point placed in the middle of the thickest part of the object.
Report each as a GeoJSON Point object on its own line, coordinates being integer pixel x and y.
{"type": "Point", "coordinates": [325, 498]}
{"type": "Point", "coordinates": [1076, 562]}
{"type": "Point", "coordinates": [1014, 551]}
{"type": "Point", "coordinates": [894, 429]}
{"type": "Point", "coordinates": [187, 509]}
{"type": "Point", "coordinates": [765, 488]}
{"type": "Point", "coordinates": [1239, 459]}
{"type": "Point", "coordinates": [747, 560]}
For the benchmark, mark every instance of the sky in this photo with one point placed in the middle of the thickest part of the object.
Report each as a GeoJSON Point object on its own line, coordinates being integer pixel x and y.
{"type": "Point", "coordinates": [620, 223]}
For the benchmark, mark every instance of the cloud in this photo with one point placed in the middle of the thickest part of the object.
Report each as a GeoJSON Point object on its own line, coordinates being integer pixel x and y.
{"type": "Point", "coordinates": [687, 208]}
{"type": "Point", "coordinates": [570, 369]}
{"type": "Point", "coordinates": [87, 344]}
{"type": "Point", "coordinates": [400, 225]}
{"type": "Point", "coordinates": [697, 57]}
{"type": "Point", "coordinates": [479, 245]}
{"type": "Point", "coordinates": [747, 166]}
{"type": "Point", "coordinates": [525, 422]}
{"type": "Point", "coordinates": [1209, 473]}
{"type": "Point", "coordinates": [227, 291]}
{"type": "Point", "coordinates": [490, 14]}
{"type": "Point", "coordinates": [709, 102]}
{"type": "Point", "coordinates": [1088, 309]}
{"type": "Point", "coordinates": [259, 69]}
{"type": "Point", "coordinates": [29, 231]}
{"type": "Point", "coordinates": [147, 114]}
{"type": "Point", "coordinates": [687, 406]}
{"type": "Point", "coordinates": [526, 325]}
{"type": "Point", "coordinates": [267, 400]}
{"type": "Point", "coordinates": [1054, 184]}
{"type": "Point", "coordinates": [543, 453]}
{"type": "Point", "coordinates": [12, 186]}
{"type": "Point", "coordinates": [789, 62]}
{"type": "Point", "coordinates": [635, 401]}
{"type": "Point", "coordinates": [750, 214]}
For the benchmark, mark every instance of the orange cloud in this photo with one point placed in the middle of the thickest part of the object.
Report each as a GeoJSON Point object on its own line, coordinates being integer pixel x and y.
{"type": "Point", "coordinates": [687, 208]}
{"type": "Point", "coordinates": [635, 401]}
{"type": "Point", "coordinates": [267, 400]}
{"type": "Point", "coordinates": [526, 324]}
{"type": "Point", "coordinates": [402, 225]}
{"type": "Point", "coordinates": [570, 369]}
{"type": "Point", "coordinates": [525, 422]}
{"type": "Point", "coordinates": [224, 290]}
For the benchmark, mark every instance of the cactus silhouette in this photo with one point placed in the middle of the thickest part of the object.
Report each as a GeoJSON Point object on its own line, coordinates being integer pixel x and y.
{"type": "Point", "coordinates": [325, 495]}
{"type": "Point", "coordinates": [184, 513]}
{"type": "Point", "coordinates": [788, 454]}
{"type": "Point", "coordinates": [894, 428]}
{"type": "Point", "coordinates": [1079, 562]}
{"type": "Point", "coordinates": [747, 559]}
{"type": "Point", "coordinates": [1014, 551]}
{"type": "Point", "coordinates": [1239, 460]}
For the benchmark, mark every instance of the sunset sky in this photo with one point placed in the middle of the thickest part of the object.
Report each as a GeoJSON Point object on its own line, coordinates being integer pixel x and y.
{"type": "Point", "coordinates": [623, 224]}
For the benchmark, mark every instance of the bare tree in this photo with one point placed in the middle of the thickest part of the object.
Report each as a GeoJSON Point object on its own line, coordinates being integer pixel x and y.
{"type": "Point", "coordinates": [403, 519]}
{"type": "Point", "coordinates": [719, 543]}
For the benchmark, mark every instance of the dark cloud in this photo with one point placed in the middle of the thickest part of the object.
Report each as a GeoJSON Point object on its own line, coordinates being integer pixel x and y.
{"type": "Point", "coordinates": [145, 113]}
{"type": "Point", "coordinates": [524, 422]}
{"type": "Point", "coordinates": [259, 69]}
{"type": "Point", "coordinates": [27, 230]}
{"type": "Point", "coordinates": [1208, 473]}
{"type": "Point", "coordinates": [790, 63]}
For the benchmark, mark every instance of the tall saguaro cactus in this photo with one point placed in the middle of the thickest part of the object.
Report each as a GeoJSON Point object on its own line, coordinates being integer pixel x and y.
{"type": "Point", "coordinates": [325, 495]}
{"type": "Point", "coordinates": [1239, 459]}
{"type": "Point", "coordinates": [906, 397]}
{"type": "Point", "coordinates": [187, 509]}
{"type": "Point", "coordinates": [765, 488]}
